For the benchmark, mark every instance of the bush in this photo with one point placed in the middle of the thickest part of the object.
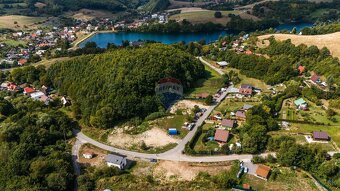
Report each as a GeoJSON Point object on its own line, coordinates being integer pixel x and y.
{"type": "Point", "coordinates": [258, 159]}
{"type": "Point", "coordinates": [155, 115]}
{"type": "Point", "coordinates": [218, 14]}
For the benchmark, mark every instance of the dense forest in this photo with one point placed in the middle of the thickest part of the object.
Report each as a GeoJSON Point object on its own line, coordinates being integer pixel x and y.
{"type": "Point", "coordinates": [57, 7]}
{"type": "Point", "coordinates": [119, 85]}
{"type": "Point", "coordinates": [35, 154]}
{"type": "Point", "coordinates": [297, 11]}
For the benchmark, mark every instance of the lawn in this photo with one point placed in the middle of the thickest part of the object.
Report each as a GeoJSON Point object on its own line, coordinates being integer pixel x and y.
{"type": "Point", "coordinates": [210, 84]}
{"type": "Point", "coordinates": [244, 79]}
{"type": "Point", "coordinates": [287, 179]}
{"type": "Point", "coordinates": [203, 16]}
{"type": "Point", "coordinates": [300, 139]}
{"type": "Point", "coordinates": [229, 105]}
{"type": "Point", "coordinates": [333, 131]}
{"type": "Point", "coordinates": [13, 43]}
{"type": "Point", "coordinates": [175, 121]}
{"type": "Point", "coordinates": [314, 114]}
{"type": "Point", "coordinates": [22, 22]}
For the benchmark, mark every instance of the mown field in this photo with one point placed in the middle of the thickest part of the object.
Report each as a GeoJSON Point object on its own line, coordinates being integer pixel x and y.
{"type": "Point", "coordinates": [331, 41]}
{"type": "Point", "coordinates": [17, 22]}
{"type": "Point", "coordinates": [203, 16]}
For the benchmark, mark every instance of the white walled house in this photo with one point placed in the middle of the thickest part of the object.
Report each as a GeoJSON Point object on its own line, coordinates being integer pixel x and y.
{"type": "Point", "coordinates": [116, 161]}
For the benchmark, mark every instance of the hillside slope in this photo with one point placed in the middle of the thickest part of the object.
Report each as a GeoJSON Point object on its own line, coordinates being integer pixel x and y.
{"type": "Point", "coordinates": [331, 41]}
{"type": "Point", "coordinates": [120, 85]}
{"type": "Point", "coordinates": [156, 5]}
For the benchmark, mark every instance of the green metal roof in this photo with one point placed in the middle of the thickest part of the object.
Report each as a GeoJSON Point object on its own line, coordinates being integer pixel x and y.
{"type": "Point", "coordinates": [299, 101]}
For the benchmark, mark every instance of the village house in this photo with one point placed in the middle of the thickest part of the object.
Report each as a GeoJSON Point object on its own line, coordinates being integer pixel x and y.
{"type": "Point", "coordinates": [320, 136]}
{"type": "Point", "coordinates": [301, 69]}
{"type": "Point", "coordinates": [246, 90]}
{"type": "Point", "coordinates": [240, 115]}
{"type": "Point", "coordinates": [249, 52]}
{"type": "Point", "coordinates": [221, 135]}
{"type": "Point", "coordinates": [88, 155]}
{"type": "Point", "coordinates": [246, 107]}
{"type": "Point", "coordinates": [116, 161]}
{"type": "Point", "coordinates": [40, 96]}
{"type": "Point", "coordinates": [229, 123]}
{"type": "Point", "coordinates": [301, 104]}
{"type": "Point", "coordinates": [28, 90]}
{"type": "Point", "coordinates": [222, 64]}
{"type": "Point", "coordinates": [315, 78]}
{"type": "Point", "coordinates": [263, 171]}
{"type": "Point", "coordinates": [22, 62]}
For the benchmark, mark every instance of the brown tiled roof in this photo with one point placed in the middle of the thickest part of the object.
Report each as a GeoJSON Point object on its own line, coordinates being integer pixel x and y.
{"type": "Point", "coordinates": [221, 135]}
{"type": "Point", "coordinates": [240, 114]}
{"type": "Point", "coordinates": [262, 171]}
{"type": "Point", "coordinates": [228, 123]}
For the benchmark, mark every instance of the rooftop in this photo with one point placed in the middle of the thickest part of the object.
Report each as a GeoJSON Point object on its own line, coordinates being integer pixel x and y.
{"type": "Point", "coordinates": [115, 159]}
{"type": "Point", "coordinates": [320, 135]}
{"type": "Point", "coordinates": [299, 101]}
{"type": "Point", "coordinates": [263, 171]}
{"type": "Point", "coordinates": [221, 135]}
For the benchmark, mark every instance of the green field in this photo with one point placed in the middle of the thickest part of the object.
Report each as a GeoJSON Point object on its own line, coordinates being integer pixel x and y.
{"type": "Point", "coordinates": [286, 179]}
{"type": "Point", "coordinates": [315, 114]}
{"type": "Point", "coordinates": [18, 22]}
{"type": "Point", "coordinates": [12, 42]}
{"type": "Point", "coordinates": [175, 121]}
{"type": "Point", "coordinates": [210, 84]}
{"type": "Point", "coordinates": [203, 16]}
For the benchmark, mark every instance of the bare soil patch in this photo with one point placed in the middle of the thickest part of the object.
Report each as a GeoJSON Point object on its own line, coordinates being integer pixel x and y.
{"type": "Point", "coordinates": [186, 170]}
{"type": "Point", "coordinates": [186, 105]}
{"type": "Point", "coordinates": [98, 157]}
{"type": "Point", "coordinates": [154, 137]}
{"type": "Point", "coordinates": [331, 41]}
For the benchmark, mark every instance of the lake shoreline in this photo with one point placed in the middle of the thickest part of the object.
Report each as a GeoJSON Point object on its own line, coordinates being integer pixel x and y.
{"type": "Point", "coordinates": [102, 38]}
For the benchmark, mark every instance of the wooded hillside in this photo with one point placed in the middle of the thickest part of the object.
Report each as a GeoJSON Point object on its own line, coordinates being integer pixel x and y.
{"type": "Point", "coordinates": [119, 85]}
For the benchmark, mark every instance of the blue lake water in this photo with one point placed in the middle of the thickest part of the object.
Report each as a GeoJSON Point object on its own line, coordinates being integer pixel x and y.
{"type": "Point", "coordinates": [102, 39]}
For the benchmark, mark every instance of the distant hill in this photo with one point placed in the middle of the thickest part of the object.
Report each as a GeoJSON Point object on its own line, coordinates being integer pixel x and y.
{"type": "Point", "coordinates": [57, 7]}
{"type": "Point", "coordinates": [156, 5]}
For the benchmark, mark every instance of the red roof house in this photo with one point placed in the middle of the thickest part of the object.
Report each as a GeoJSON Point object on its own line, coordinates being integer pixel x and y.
{"type": "Point", "coordinates": [28, 90]}
{"type": "Point", "coordinates": [249, 52]}
{"type": "Point", "coordinates": [11, 86]}
{"type": "Point", "coordinates": [301, 69]}
{"type": "Point", "coordinates": [246, 89]}
{"type": "Point", "coordinates": [221, 135]}
{"type": "Point", "coordinates": [263, 171]}
{"type": "Point", "coordinates": [22, 62]}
